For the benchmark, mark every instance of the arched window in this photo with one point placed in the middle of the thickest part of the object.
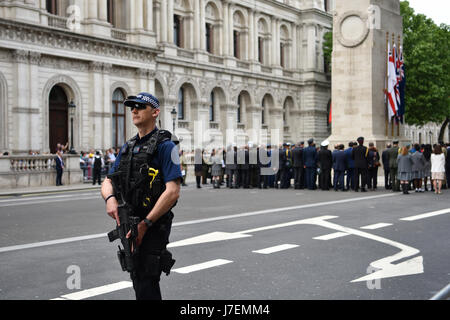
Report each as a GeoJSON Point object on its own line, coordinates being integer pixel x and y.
{"type": "Point", "coordinates": [209, 38]}
{"type": "Point", "coordinates": [211, 107]}
{"type": "Point", "coordinates": [263, 112]}
{"type": "Point", "coordinates": [239, 110]}
{"type": "Point", "coordinates": [239, 36]}
{"type": "Point", "coordinates": [181, 104]}
{"type": "Point", "coordinates": [284, 47]}
{"type": "Point", "coordinates": [213, 26]}
{"type": "Point", "coordinates": [118, 119]}
{"type": "Point", "coordinates": [177, 30]}
{"type": "Point", "coordinates": [52, 6]}
{"type": "Point", "coordinates": [263, 42]}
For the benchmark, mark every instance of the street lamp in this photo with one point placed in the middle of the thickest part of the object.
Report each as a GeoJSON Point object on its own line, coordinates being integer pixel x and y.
{"type": "Point", "coordinates": [174, 117]}
{"type": "Point", "coordinates": [72, 108]}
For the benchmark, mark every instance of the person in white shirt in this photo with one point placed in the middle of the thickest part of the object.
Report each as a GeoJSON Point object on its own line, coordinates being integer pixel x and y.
{"type": "Point", "coordinates": [437, 168]}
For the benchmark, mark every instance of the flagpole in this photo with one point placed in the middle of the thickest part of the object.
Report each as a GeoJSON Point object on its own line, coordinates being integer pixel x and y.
{"type": "Point", "coordinates": [386, 104]}
{"type": "Point", "coordinates": [398, 126]}
{"type": "Point", "coordinates": [393, 118]}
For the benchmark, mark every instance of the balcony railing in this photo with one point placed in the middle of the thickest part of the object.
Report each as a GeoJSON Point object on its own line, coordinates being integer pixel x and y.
{"type": "Point", "coordinates": [185, 53]}
{"type": "Point", "coordinates": [57, 21]}
{"type": "Point", "coordinates": [243, 65]}
{"type": "Point", "coordinates": [183, 124]}
{"type": "Point", "coordinates": [215, 59]}
{"type": "Point", "coordinates": [119, 34]}
{"type": "Point", "coordinates": [266, 69]}
{"type": "Point", "coordinates": [213, 125]}
{"type": "Point", "coordinates": [241, 126]}
{"type": "Point", "coordinates": [288, 73]}
{"type": "Point", "coordinates": [32, 163]}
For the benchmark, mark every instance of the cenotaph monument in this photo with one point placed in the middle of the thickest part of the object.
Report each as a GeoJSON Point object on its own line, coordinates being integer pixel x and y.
{"type": "Point", "coordinates": [362, 30]}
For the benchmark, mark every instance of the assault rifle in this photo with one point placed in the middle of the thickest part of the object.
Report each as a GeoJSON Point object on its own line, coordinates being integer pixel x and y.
{"type": "Point", "coordinates": [128, 222]}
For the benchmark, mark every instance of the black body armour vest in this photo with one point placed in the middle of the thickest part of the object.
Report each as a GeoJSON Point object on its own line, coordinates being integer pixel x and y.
{"type": "Point", "coordinates": [142, 184]}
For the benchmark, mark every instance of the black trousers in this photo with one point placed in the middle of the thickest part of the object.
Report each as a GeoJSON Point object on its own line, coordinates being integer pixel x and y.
{"type": "Point", "coordinates": [59, 173]}
{"type": "Point", "coordinates": [245, 178]}
{"type": "Point", "coordinates": [325, 178]}
{"type": "Point", "coordinates": [97, 176]}
{"type": "Point", "coordinates": [351, 178]}
{"type": "Point", "coordinates": [299, 176]}
{"type": "Point", "coordinates": [285, 181]}
{"type": "Point", "coordinates": [387, 182]}
{"type": "Point", "coordinates": [148, 275]}
{"type": "Point", "coordinates": [373, 177]}
{"type": "Point", "coordinates": [363, 172]}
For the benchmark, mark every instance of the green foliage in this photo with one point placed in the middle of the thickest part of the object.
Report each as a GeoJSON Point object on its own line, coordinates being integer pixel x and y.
{"type": "Point", "coordinates": [328, 49]}
{"type": "Point", "coordinates": [425, 51]}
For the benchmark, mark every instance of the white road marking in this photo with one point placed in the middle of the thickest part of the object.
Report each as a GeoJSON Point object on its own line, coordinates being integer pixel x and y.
{"type": "Point", "coordinates": [209, 237]}
{"type": "Point", "coordinates": [46, 197]}
{"type": "Point", "coordinates": [29, 203]}
{"type": "Point", "coordinates": [376, 226]}
{"type": "Point", "coordinates": [184, 223]}
{"type": "Point", "coordinates": [426, 215]}
{"type": "Point", "coordinates": [332, 236]}
{"type": "Point", "coordinates": [89, 293]}
{"type": "Point", "coordinates": [52, 242]}
{"type": "Point", "coordinates": [276, 249]}
{"type": "Point", "coordinates": [202, 266]}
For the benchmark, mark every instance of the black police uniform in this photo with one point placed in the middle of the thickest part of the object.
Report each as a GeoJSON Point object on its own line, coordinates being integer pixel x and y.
{"type": "Point", "coordinates": [142, 164]}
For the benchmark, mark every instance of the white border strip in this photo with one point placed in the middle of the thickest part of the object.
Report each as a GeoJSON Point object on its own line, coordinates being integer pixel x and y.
{"type": "Point", "coordinates": [202, 266]}
{"type": "Point", "coordinates": [426, 215]}
{"type": "Point", "coordinates": [276, 248]}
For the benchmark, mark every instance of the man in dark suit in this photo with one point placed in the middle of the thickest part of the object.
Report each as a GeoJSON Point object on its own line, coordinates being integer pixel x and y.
{"type": "Point", "coordinates": [385, 160]}
{"type": "Point", "coordinates": [359, 154]}
{"type": "Point", "coordinates": [59, 168]}
{"type": "Point", "coordinates": [339, 165]}
{"type": "Point", "coordinates": [350, 166]}
{"type": "Point", "coordinates": [325, 163]}
{"type": "Point", "coordinates": [297, 163]}
{"type": "Point", "coordinates": [244, 165]}
{"type": "Point", "coordinates": [310, 164]}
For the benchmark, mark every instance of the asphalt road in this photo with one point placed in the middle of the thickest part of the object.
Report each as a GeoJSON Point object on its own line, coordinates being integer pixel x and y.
{"type": "Point", "coordinates": [236, 245]}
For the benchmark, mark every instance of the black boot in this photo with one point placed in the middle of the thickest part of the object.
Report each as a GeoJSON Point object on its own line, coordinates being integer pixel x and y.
{"type": "Point", "coordinates": [405, 188]}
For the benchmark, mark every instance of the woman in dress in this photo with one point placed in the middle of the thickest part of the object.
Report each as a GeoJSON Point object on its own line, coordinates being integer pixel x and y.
{"type": "Point", "coordinates": [404, 163]}
{"type": "Point", "coordinates": [437, 168]}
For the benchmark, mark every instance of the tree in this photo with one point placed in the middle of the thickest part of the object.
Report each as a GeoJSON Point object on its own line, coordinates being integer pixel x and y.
{"type": "Point", "coordinates": [425, 51]}
{"type": "Point", "coordinates": [327, 49]}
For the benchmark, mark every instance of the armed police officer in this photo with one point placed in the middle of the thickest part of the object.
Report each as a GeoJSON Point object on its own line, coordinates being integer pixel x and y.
{"type": "Point", "coordinates": [146, 176]}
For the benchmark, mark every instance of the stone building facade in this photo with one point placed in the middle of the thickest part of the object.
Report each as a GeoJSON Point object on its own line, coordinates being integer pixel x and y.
{"type": "Point", "coordinates": [230, 67]}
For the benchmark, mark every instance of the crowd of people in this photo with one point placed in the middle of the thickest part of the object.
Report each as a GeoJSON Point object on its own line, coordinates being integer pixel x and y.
{"type": "Point", "coordinates": [355, 168]}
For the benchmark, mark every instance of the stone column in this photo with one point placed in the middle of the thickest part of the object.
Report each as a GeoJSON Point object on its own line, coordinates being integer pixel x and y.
{"type": "Point", "coordinates": [103, 10]}
{"type": "Point", "coordinates": [20, 134]}
{"type": "Point", "coordinates": [311, 47]}
{"type": "Point", "coordinates": [107, 96]}
{"type": "Point", "coordinates": [251, 37]}
{"type": "Point", "coordinates": [170, 21]}
{"type": "Point", "coordinates": [196, 34]}
{"type": "Point", "coordinates": [202, 26]}
{"type": "Point", "coordinates": [95, 103]}
{"type": "Point", "coordinates": [93, 10]}
{"type": "Point", "coordinates": [163, 20]}
{"type": "Point", "coordinates": [294, 65]}
{"type": "Point", "coordinates": [35, 128]}
{"type": "Point", "coordinates": [149, 15]}
{"type": "Point", "coordinates": [158, 23]}
{"type": "Point", "coordinates": [231, 29]}
{"type": "Point", "coordinates": [139, 15]}
{"type": "Point", "coordinates": [225, 29]}
{"type": "Point", "coordinates": [275, 44]}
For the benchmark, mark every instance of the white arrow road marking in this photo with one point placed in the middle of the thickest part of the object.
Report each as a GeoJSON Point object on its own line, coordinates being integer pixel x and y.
{"type": "Point", "coordinates": [376, 226]}
{"type": "Point", "coordinates": [282, 247]}
{"type": "Point", "coordinates": [384, 266]}
{"type": "Point", "coordinates": [426, 215]}
{"type": "Point", "coordinates": [202, 266]}
{"type": "Point", "coordinates": [332, 236]}
{"type": "Point", "coordinates": [89, 293]}
{"type": "Point", "coordinates": [209, 237]}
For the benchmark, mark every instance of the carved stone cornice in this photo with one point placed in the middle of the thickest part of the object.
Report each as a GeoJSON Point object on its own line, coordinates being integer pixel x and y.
{"type": "Point", "coordinates": [313, 113]}
{"type": "Point", "coordinates": [20, 56]}
{"type": "Point", "coordinates": [65, 40]}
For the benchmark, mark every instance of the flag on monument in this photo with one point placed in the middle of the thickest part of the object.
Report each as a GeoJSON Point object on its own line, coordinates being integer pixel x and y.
{"type": "Point", "coordinates": [402, 85]}
{"type": "Point", "coordinates": [392, 81]}
{"type": "Point", "coordinates": [397, 85]}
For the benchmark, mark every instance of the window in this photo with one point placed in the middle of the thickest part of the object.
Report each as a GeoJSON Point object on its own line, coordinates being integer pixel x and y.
{"type": "Point", "coordinates": [110, 12]}
{"type": "Point", "coordinates": [236, 44]}
{"type": "Point", "coordinates": [211, 107]}
{"type": "Point", "coordinates": [209, 44]}
{"type": "Point", "coordinates": [118, 119]}
{"type": "Point", "coordinates": [263, 120]}
{"type": "Point", "coordinates": [181, 104]}
{"type": "Point", "coordinates": [239, 110]}
{"type": "Point", "coordinates": [282, 55]}
{"type": "Point", "coordinates": [52, 6]}
{"type": "Point", "coordinates": [260, 49]}
{"type": "Point", "coordinates": [177, 30]}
